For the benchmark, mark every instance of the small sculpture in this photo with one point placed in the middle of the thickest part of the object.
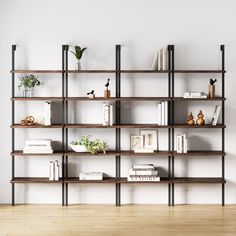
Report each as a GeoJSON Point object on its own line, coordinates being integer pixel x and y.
{"type": "Point", "coordinates": [211, 89]}
{"type": "Point", "coordinates": [190, 119]}
{"type": "Point", "coordinates": [107, 92]}
{"type": "Point", "coordinates": [200, 121]}
{"type": "Point", "coordinates": [29, 120]}
{"type": "Point", "coordinates": [91, 94]}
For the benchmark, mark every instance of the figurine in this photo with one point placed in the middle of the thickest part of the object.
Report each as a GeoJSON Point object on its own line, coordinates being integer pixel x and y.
{"type": "Point", "coordinates": [211, 89]}
{"type": "Point", "coordinates": [190, 119]}
{"type": "Point", "coordinates": [91, 94]}
{"type": "Point", "coordinates": [200, 121]}
{"type": "Point", "coordinates": [107, 92]}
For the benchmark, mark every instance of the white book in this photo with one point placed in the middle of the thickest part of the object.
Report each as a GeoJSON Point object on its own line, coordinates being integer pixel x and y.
{"type": "Point", "coordinates": [179, 143]}
{"type": "Point", "coordinates": [144, 150]}
{"type": "Point", "coordinates": [91, 176]}
{"type": "Point", "coordinates": [111, 118]}
{"type": "Point", "coordinates": [143, 172]}
{"type": "Point", "coordinates": [162, 113]}
{"type": "Point", "coordinates": [185, 148]}
{"type": "Point", "coordinates": [159, 113]}
{"type": "Point", "coordinates": [105, 114]}
{"type": "Point", "coordinates": [143, 166]}
{"type": "Point", "coordinates": [56, 170]}
{"type": "Point", "coordinates": [47, 113]}
{"type": "Point", "coordinates": [38, 141]}
{"type": "Point", "coordinates": [216, 114]}
{"type": "Point", "coordinates": [38, 146]}
{"type": "Point", "coordinates": [144, 179]}
{"type": "Point", "coordinates": [159, 60]}
{"type": "Point", "coordinates": [155, 62]}
{"type": "Point", "coordinates": [37, 151]}
{"type": "Point", "coordinates": [166, 112]}
{"type": "Point", "coordinates": [164, 56]}
{"type": "Point", "coordinates": [51, 170]}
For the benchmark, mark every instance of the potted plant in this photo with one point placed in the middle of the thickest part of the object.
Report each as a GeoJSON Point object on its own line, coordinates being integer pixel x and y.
{"type": "Point", "coordinates": [78, 54]}
{"type": "Point", "coordinates": [86, 144]}
{"type": "Point", "coordinates": [28, 82]}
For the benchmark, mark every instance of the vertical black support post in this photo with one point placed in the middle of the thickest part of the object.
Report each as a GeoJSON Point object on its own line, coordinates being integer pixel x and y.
{"type": "Point", "coordinates": [172, 122]}
{"type": "Point", "coordinates": [169, 122]}
{"type": "Point", "coordinates": [63, 123]}
{"type": "Point", "coordinates": [222, 47]}
{"type": "Point", "coordinates": [66, 118]}
{"type": "Point", "coordinates": [118, 139]}
{"type": "Point", "coordinates": [13, 121]}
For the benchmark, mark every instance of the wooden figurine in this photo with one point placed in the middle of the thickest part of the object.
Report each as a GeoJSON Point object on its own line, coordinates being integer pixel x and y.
{"type": "Point", "coordinates": [91, 94]}
{"type": "Point", "coordinates": [107, 92]}
{"type": "Point", "coordinates": [200, 120]}
{"type": "Point", "coordinates": [211, 88]}
{"type": "Point", "coordinates": [190, 119]}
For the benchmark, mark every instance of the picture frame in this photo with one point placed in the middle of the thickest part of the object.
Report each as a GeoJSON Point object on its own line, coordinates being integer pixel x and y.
{"type": "Point", "coordinates": [150, 139]}
{"type": "Point", "coordinates": [136, 142]}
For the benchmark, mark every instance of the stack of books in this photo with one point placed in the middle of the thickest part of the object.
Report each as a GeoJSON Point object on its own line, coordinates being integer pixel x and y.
{"type": "Point", "coordinates": [195, 95]}
{"type": "Point", "coordinates": [143, 172]}
{"type": "Point", "coordinates": [108, 116]}
{"type": "Point", "coordinates": [216, 114]}
{"type": "Point", "coordinates": [40, 146]}
{"type": "Point", "coordinates": [91, 176]}
{"type": "Point", "coordinates": [160, 61]}
{"type": "Point", "coordinates": [162, 113]}
{"type": "Point", "coordinates": [181, 143]}
{"type": "Point", "coordinates": [54, 170]}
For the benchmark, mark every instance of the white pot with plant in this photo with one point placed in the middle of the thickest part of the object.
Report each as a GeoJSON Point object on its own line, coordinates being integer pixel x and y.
{"type": "Point", "coordinates": [86, 144]}
{"type": "Point", "coordinates": [78, 54]}
{"type": "Point", "coordinates": [28, 82]}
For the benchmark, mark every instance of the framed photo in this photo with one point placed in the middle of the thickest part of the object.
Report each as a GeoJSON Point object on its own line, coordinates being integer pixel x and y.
{"type": "Point", "coordinates": [150, 138]}
{"type": "Point", "coordinates": [136, 142]}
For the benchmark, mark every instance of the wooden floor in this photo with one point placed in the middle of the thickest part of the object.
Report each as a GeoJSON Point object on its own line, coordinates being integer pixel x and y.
{"type": "Point", "coordinates": [104, 220]}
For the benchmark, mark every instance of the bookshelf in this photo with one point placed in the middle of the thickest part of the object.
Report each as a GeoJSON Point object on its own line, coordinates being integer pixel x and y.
{"type": "Point", "coordinates": [170, 154]}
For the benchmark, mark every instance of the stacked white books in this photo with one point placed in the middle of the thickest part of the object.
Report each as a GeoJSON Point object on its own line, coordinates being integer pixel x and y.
{"type": "Point", "coordinates": [160, 61]}
{"type": "Point", "coordinates": [195, 95]}
{"type": "Point", "coordinates": [54, 170]}
{"type": "Point", "coordinates": [216, 114]}
{"type": "Point", "coordinates": [47, 113]}
{"type": "Point", "coordinates": [41, 146]}
{"type": "Point", "coordinates": [162, 113]}
{"type": "Point", "coordinates": [91, 176]}
{"type": "Point", "coordinates": [181, 143]}
{"type": "Point", "coordinates": [108, 116]}
{"type": "Point", "coordinates": [143, 172]}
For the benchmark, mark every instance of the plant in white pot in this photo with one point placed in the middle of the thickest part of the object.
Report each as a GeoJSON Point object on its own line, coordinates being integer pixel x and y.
{"type": "Point", "coordinates": [85, 144]}
{"type": "Point", "coordinates": [78, 54]}
{"type": "Point", "coordinates": [28, 82]}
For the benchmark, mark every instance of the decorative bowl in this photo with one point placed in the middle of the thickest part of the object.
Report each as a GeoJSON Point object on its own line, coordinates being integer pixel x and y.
{"type": "Point", "coordinates": [78, 148]}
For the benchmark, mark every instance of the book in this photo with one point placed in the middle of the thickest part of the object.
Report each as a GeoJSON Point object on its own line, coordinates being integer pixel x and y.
{"type": "Point", "coordinates": [143, 172]}
{"type": "Point", "coordinates": [38, 141]}
{"type": "Point", "coordinates": [164, 58]}
{"type": "Point", "coordinates": [195, 95]}
{"type": "Point", "coordinates": [111, 115]}
{"type": "Point", "coordinates": [144, 150]}
{"type": "Point", "coordinates": [56, 170]}
{"type": "Point", "coordinates": [159, 113]}
{"type": "Point", "coordinates": [105, 114]}
{"type": "Point", "coordinates": [47, 113]}
{"type": "Point", "coordinates": [181, 143]}
{"type": "Point", "coordinates": [162, 113]}
{"type": "Point", "coordinates": [37, 151]}
{"type": "Point", "coordinates": [166, 113]}
{"type": "Point", "coordinates": [143, 167]}
{"type": "Point", "coordinates": [51, 170]}
{"type": "Point", "coordinates": [216, 114]}
{"type": "Point", "coordinates": [91, 176]}
{"type": "Point", "coordinates": [155, 62]}
{"type": "Point", "coordinates": [143, 179]}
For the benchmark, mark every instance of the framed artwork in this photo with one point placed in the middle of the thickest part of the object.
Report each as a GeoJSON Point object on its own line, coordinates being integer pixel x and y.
{"type": "Point", "coordinates": [136, 142]}
{"type": "Point", "coordinates": [150, 138]}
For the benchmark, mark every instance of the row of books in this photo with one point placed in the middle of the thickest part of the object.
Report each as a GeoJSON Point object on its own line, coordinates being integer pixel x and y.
{"type": "Point", "coordinates": [162, 113]}
{"type": "Point", "coordinates": [160, 61]}
{"type": "Point", "coordinates": [54, 170]}
{"type": "Point", "coordinates": [42, 146]}
{"type": "Point", "coordinates": [108, 117]}
{"type": "Point", "coordinates": [143, 172]}
{"type": "Point", "coordinates": [181, 143]}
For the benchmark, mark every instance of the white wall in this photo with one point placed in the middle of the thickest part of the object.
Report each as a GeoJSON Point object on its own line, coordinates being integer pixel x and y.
{"type": "Point", "coordinates": [39, 28]}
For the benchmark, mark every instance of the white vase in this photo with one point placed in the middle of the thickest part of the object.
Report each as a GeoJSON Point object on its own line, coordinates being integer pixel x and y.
{"type": "Point", "coordinates": [78, 65]}
{"type": "Point", "coordinates": [28, 92]}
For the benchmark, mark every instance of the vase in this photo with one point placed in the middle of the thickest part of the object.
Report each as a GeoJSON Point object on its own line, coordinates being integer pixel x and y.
{"type": "Point", "coordinates": [28, 92]}
{"type": "Point", "coordinates": [211, 91]}
{"type": "Point", "coordinates": [78, 65]}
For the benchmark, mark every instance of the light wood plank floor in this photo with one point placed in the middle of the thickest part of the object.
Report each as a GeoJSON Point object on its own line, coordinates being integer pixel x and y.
{"type": "Point", "coordinates": [104, 220]}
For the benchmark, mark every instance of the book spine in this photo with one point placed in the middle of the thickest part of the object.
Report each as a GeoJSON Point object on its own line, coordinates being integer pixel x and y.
{"type": "Point", "coordinates": [143, 172]}
{"type": "Point", "coordinates": [161, 57]}
{"type": "Point", "coordinates": [164, 58]}
{"type": "Point", "coordinates": [185, 149]}
{"type": "Point", "coordinates": [56, 170]}
{"type": "Point", "coordinates": [47, 113]}
{"type": "Point", "coordinates": [51, 170]}
{"type": "Point", "coordinates": [216, 115]}
{"type": "Point", "coordinates": [111, 116]}
{"type": "Point", "coordinates": [166, 113]}
{"type": "Point", "coordinates": [38, 142]}
{"type": "Point", "coordinates": [105, 114]}
{"type": "Point", "coordinates": [162, 113]}
{"type": "Point", "coordinates": [179, 143]}
{"type": "Point", "coordinates": [155, 62]}
{"type": "Point", "coordinates": [148, 179]}
{"type": "Point", "coordinates": [37, 151]}
{"type": "Point", "coordinates": [143, 167]}
{"type": "Point", "coordinates": [159, 114]}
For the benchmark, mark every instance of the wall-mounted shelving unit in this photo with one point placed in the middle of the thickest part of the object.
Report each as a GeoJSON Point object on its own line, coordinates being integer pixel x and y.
{"type": "Point", "coordinates": [170, 154]}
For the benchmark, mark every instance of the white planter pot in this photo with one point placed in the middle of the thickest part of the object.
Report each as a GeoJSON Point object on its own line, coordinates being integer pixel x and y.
{"type": "Point", "coordinates": [78, 148]}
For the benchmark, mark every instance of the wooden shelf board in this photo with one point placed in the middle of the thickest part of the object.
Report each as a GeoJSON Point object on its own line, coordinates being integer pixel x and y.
{"type": "Point", "coordinates": [78, 181]}
{"type": "Point", "coordinates": [36, 126]}
{"type": "Point", "coordinates": [200, 71]}
{"type": "Point", "coordinates": [96, 71]}
{"type": "Point", "coordinates": [199, 99]}
{"type": "Point", "coordinates": [39, 180]}
{"type": "Point", "coordinates": [37, 99]}
{"type": "Point", "coordinates": [201, 153]}
{"type": "Point", "coordinates": [146, 71]}
{"type": "Point", "coordinates": [199, 180]}
{"type": "Point", "coordinates": [20, 153]}
{"type": "Point", "coordinates": [198, 126]}
{"type": "Point", "coordinates": [36, 71]}
{"type": "Point", "coordinates": [118, 99]}
{"type": "Point", "coordinates": [147, 126]}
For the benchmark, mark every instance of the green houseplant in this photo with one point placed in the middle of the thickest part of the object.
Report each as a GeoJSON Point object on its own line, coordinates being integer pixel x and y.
{"type": "Point", "coordinates": [86, 144]}
{"type": "Point", "coordinates": [28, 82]}
{"type": "Point", "coordinates": [78, 54]}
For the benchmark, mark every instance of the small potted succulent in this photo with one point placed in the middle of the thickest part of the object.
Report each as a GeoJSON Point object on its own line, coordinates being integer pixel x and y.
{"type": "Point", "coordinates": [28, 82]}
{"type": "Point", "coordinates": [78, 54]}
{"type": "Point", "coordinates": [85, 144]}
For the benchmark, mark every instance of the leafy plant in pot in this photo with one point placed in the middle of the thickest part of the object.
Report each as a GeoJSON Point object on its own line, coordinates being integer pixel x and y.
{"type": "Point", "coordinates": [28, 82]}
{"type": "Point", "coordinates": [78, 54]}
{"type": "Point", "coordinates": [86, 144]}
